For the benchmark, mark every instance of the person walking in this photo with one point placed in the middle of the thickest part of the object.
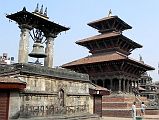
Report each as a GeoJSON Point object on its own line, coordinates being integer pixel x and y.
{"type": "Point", "coordinates": [133, 108]}
{"type": "Point", "coordinates": [143, 106]}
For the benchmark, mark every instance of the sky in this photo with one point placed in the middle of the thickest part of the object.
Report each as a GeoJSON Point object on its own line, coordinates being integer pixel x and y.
{"type": "Point", "coordinates": [142, 15]}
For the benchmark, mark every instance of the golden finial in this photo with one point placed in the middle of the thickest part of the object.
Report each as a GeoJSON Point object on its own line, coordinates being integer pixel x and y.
{"type": "Point", "coordinates": [110, 13]}
{"type": "Point", "coordinates": [45, 13]}
{"type": "Point", "coordinates": [37, 8]}
{"type": "Point", "coordinates": [41, 10]}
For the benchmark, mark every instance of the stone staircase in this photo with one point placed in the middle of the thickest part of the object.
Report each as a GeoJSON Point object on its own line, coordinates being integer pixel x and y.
{"type": "Point", "coordinates": [119, 105]}
{"type": "Point", "coordinates": [81, 116]}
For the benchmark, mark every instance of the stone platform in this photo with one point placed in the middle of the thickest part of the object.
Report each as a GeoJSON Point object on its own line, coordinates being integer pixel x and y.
{"type": "Point", "coordinates": [119, 105]}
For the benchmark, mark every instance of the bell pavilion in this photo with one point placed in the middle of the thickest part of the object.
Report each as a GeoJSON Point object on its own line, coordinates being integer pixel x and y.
{"type": "Point", "coordinates": [36, 89]}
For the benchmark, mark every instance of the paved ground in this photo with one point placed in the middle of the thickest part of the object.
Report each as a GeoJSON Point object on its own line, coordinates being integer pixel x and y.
{"type": "Point", "coordinates": [146, 117]}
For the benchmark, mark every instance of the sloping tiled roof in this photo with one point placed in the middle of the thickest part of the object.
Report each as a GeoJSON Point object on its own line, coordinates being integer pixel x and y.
{"type": "Point", "coordinates": [27, 68]}
{"type": "Point", "coordinates": [10, 80]}
{"type": "Point", "coordinates": [9, 83]}
{"type": "Point", "coordinates": [110, 18]}
{"type": "Point", "coordinates": [107, 36]}
{"type": "Point", "coordinates": [96, 58]}
{"type": "Point", "coordinates": [100, 36]}
{"type": "Point", "coordinates": [105, 58]}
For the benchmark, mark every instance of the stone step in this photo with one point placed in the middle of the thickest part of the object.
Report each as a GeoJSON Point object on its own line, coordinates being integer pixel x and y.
{"type": "Point", "coordinates": [116, 105]}
{"type": "Point", "coordinates": [118, 99]}
{"type": "Point", "coordinates": [81, 116]}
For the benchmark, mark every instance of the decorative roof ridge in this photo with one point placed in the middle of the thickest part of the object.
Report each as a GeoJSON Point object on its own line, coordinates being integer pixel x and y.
{"type": "Point", "coordinates": [152, 68]}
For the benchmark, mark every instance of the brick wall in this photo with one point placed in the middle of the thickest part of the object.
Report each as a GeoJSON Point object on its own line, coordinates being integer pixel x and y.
{"type": "Point", "coordinates": [117, 113]}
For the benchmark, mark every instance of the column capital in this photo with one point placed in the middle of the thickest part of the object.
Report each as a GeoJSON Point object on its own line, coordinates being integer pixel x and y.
{"type": "Point", "coordinates": [50, 34]}
{"type": "Point", "coordinates": [25, 26]}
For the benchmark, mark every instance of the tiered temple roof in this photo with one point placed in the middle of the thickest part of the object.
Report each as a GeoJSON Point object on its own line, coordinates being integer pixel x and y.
{"type": "Point", "coordinates": [109, 46]}
{"type": "Point", "coordinates": [110, 65]}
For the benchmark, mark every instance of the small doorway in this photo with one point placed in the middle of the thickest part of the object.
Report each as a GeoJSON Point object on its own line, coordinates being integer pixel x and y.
{"type": "Point", "coordinates": [98, 105]}
{"type": "Point", "coordinates": [4, 105]}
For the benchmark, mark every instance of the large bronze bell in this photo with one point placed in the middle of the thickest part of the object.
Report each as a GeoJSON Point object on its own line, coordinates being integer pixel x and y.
{"type": "Point", "coordinates": [38, 51]}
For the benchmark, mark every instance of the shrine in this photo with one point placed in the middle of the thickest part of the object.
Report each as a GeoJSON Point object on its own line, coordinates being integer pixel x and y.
{"type": "Point", "coordinates": [110, 66]}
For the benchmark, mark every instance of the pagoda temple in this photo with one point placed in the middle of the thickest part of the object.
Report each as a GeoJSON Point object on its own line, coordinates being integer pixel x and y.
{"type": "Point", "coordinates": [109, 64]}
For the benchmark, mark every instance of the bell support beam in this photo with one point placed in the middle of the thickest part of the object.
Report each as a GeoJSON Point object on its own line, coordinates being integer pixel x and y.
{"type": "Point", "coordinates": [24, 43]}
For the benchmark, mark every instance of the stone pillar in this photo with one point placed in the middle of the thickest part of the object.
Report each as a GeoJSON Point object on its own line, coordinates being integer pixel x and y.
{"type": "Point", "coordinates": [49, 50]}
{"type": "Point", "coordinates": [127, 86]}
{"type": "Point", "coordinates": [123, 85]}
{"type": "Point", "coordinates": [119, 85]}
{"type": "Point", "coordinates": [24, 44]}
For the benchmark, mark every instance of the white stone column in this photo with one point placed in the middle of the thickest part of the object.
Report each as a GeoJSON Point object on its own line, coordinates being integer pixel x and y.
{"type": "Point", "coordinates": [49, 50]}
{"type": "Point", "coordinates": [128, 86]}
{"type": "Point", "coordinates": [24, 44]}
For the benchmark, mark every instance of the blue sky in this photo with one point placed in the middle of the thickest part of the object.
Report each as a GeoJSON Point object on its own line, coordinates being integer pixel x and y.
{"type": "Point", "coordinates": [141, 15]}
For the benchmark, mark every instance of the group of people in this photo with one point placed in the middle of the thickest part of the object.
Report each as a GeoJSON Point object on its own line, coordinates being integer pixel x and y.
{"type": "Point", "coordinates": [134, 112]}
